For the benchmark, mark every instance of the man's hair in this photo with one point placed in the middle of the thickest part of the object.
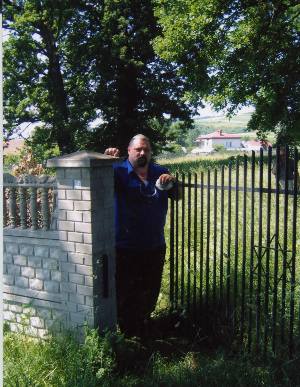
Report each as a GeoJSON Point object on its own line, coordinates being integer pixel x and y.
{"type": "Point", "coordinates": [138, 137]}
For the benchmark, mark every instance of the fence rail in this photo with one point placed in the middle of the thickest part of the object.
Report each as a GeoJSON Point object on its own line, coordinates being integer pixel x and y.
{"type": "Point", "coordinates": [235, 249]}
{"type": "Point", "coordinates": [28, 201]}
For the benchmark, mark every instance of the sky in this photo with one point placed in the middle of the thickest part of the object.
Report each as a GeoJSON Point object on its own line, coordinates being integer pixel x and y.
{"type": "Point", "coordinates": [207, 111]}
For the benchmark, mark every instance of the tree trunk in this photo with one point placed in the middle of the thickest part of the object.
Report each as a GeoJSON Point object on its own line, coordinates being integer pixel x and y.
{"type": "Point", "coordinates": [57, 93]}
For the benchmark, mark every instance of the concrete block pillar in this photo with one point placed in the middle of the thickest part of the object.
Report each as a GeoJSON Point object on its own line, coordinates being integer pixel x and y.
{"type": "Point", "coordinates": [85, 224]}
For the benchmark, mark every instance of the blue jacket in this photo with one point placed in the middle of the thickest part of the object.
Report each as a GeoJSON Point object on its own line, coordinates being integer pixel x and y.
{"type": "Point", "coordinates": [140, 210]}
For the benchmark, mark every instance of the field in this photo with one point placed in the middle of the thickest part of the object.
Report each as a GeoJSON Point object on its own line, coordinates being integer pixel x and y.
{"type": "Point", "coordinates": [237, 124]}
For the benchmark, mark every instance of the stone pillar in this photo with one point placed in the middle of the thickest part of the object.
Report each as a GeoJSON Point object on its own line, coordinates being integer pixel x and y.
{"type": "Point", "coordinates": [85, 224]}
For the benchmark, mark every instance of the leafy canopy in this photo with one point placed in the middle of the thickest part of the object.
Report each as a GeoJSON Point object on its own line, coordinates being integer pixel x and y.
{"type": "Point", "coordinates": [40, 87]}
{"type": "Point", "coordinates": [87, 74]}
{"type": "Point", "coordinates": [236, 53]}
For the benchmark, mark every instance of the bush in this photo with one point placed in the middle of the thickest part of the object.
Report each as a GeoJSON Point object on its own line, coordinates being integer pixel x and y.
{"type": "Point", "coordinates": [10, 160]}
{"type": "Point", "coordinates": [219, 148]}
{"type": "Point", "coordinates": [27, 165]}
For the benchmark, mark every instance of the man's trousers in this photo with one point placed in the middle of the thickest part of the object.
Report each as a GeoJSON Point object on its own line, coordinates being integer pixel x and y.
{"type": "Point", "coordinates": [138, 281]}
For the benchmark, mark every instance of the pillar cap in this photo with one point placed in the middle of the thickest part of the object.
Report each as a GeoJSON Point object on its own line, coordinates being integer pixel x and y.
{"type": "Point", "coordinates": [82, 159]}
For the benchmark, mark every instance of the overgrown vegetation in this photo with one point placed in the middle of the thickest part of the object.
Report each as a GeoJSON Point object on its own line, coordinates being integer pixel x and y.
{"type": "Point", "coordinates": [59, 361]}
{"type": "Point", "coordinates": [112, 360]}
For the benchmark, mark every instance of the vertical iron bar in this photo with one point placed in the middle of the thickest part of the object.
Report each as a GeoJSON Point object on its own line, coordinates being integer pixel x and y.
{"type": "Point", "coordinates": [275, 285]}
{"type": "Point", "coordinates": [285, 231]}
{"type": "Point", "coordinates": [201, 240]}
{"type": "Point", "coordinates": [268, 236]}
{"type": "Point", "coordinates": [244, 246]}
{"type": "Point", "coordinates": [195, 246]}
{"type": "Point", "coordinates": [207, 290]}
{"type": "Point", "coordinates": [182, 240]}
{"type": "Point", "coordinates": [251, 252]}
{"type": "Point", "coordinates": [176, 244]}
{"type": "Point", "coordinates": [215, 239]}
{"type": "Point", "coordinates": [259, 254]}
{"type": "Point", "coordinates": [172, 252]}
{"type": "Point", "coordinates": [293, 260]}
{"type": "Point", "coordinates": [189, 245]}
{"type": "Point", "coordinates": [228, 243]}
{"type": "Point", "coordinates": [222, 236]}
{"type": "Point", "coordinates": [236, 246]}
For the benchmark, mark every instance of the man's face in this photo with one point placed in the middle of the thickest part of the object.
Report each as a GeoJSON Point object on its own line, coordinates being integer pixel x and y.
{"type": "Point", "coordinates": [139, 153]}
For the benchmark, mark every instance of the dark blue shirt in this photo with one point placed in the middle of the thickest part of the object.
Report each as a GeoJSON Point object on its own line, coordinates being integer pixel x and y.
{"type": "Point", "coordinates": [140, 210]}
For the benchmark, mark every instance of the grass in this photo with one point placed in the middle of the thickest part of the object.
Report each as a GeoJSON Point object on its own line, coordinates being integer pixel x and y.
{"type": "Point", "coordinates": [112, 360]}
{"type": "Point", "coordinates": [196, 164]}
{"type": "Point", "coordinates": [57, 361]}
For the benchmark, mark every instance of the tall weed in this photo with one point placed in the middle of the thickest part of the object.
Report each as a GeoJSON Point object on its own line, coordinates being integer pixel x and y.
{"type": "Point", "coordinates": [58, 361]}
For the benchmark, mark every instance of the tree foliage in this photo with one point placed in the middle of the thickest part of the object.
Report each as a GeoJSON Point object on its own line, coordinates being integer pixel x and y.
{"type": "Point", "coordinates": [38, 85]}
{"type": "Point", "coordinates": [86, 72]}
{"type": "Point", "coordinates": [235, 53]}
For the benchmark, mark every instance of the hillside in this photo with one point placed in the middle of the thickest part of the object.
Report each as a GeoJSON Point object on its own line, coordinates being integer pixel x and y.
{"type": "Point", "coordinates": [236, 124]}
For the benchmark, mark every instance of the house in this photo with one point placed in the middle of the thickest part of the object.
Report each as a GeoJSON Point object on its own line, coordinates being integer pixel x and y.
{"type": "Point", "coordinates": [253, 145]}
{"type": "Point", "coordinates": [208, 142]}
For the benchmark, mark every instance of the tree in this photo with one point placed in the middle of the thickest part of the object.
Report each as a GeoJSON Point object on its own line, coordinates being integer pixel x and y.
{"type": "Point", "coordinates": [38, 84]}
{"type": "Point", "coordinates": [237, 53]}
{"type": "Point", "coordinates": [87, 73]}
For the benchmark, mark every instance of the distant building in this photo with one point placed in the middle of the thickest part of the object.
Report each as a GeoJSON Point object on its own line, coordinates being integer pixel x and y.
{"type": "Point", "coordinates": [253, 145]}
{"type": "Point", "coordinates": [208, 142]}
{"type": "Point", "coordinates": [231, 142]}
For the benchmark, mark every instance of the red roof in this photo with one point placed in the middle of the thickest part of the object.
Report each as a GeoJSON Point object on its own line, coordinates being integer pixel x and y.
{"type": "Point", "coordinates": [219, 134]}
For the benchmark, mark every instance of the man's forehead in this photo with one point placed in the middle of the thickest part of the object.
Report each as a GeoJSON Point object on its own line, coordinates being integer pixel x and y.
{"type": "Point", "coordinates": [140, 143]}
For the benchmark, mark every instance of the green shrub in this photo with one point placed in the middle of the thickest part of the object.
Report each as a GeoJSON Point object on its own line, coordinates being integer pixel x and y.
{"type": "Point", "coordinates": [10, 160]}
{"type": "Point", "coordinates": [219, 148]}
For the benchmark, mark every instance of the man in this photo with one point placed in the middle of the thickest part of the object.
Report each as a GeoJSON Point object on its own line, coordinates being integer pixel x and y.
{"type": "Point", "coordinates": [140, 209]}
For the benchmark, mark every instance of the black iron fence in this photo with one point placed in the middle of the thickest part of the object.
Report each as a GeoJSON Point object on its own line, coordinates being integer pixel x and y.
{"type": "Point", "coordinates": [235, 249]}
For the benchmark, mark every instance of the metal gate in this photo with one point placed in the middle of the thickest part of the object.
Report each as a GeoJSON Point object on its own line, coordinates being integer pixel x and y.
{"type": "Point", "coordinates": [235, 249]}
